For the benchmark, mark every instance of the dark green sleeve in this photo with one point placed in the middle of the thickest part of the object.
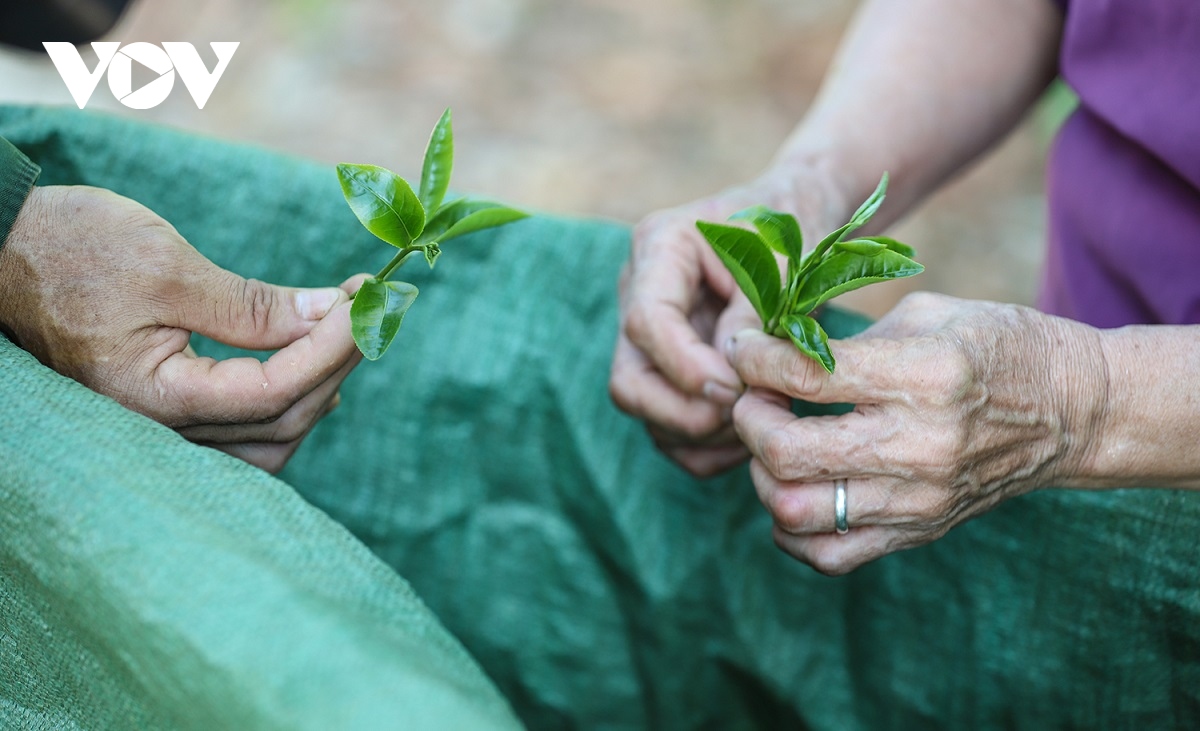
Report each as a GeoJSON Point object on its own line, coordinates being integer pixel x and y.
{"type": "Point", "coordinates": [17, 175]}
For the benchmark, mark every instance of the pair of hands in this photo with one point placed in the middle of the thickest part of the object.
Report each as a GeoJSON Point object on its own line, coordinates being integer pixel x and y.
{"type": "Point", "coordinates": [104, 291]}
{"type": "Point", "coordinates": [958, 404]}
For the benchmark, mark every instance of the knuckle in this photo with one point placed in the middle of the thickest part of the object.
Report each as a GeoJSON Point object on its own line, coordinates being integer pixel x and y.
{"type": "Point", "coordinates": [638, 323]}
{"type": "Point", "coordinates": [795, 375]}
{"type": "Point", "coordinates": [921, 301]}
{"type": "Point", "coordinates": [775, 451]}
{"type": "Point", "coordinates": [622, 396]}
{"type": "Point", "coordinates": [788, 513]}
{"type": "Point", "coordinates": [256, 302]}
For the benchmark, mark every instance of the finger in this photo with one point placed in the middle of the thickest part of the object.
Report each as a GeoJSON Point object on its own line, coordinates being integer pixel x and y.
{"type": "Point", "coordinates": [659, 301]}
{"type": "Point", "coordinates": [268, 457]}
{"type": "Point", "coordinates": [708, 461]}
{"type": "Point", "coordinates": [808, 448]}
{"type": "Point", "coordinates": [808, 508]}
{"type": "Point", "coordinates": [291, 426]}
{"type": "Point", "coordinates": [835, 555]}
{"type": "Point", "coordinates": [865, 373]}
{"type": "Point", "coordinates": [247, 313]}
{"type": "Point", "coordinates": [353, 284]}
{"type": "Point", "coordinates": [638, 389]}
{"type": "Point", "coordinates": [738, 315]}
{"type": "Point", "coordinates": [725, 436]}
{"type": "Point", "coordinates": [241, 390]}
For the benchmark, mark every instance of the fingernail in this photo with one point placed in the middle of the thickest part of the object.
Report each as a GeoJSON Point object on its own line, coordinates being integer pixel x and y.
{"type": "Point", "coordinates": [313, 304]}
{"type": "Point", "coordinates": [720, 393]}
{"type": "Point", "coordinates": [732, 343]}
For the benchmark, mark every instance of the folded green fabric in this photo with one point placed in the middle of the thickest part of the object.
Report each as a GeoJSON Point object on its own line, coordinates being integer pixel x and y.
{"type": "Point", "coordinates": [595, 583]}
{"type": "Point", "coordinates": [17, 175]}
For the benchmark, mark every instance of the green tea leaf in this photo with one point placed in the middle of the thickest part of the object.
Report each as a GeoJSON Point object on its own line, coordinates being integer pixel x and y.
{"type": "Point", "coordinates": [453, 212]}
{"type": "Point", "coordinates": [383, 202]}
{"type": "Point", "coordinates": [817, 254]}
{"type": "Point", "coordinates": [896, 246]}
{"type": "Point", "coordinates": [479, 220]}
{"type": "Point", "coordinates": [860, 217]}
{"type": "Point", "coordinates": [871, 204]}
{"type": "Point", "coordinates": [376, 314]}
{"type": "Point", "coordinates": [844, 271]}
{"type": "Point", "coordinates": [779, 230]}
{"type": "Point", "coordinates": [750, 261]}
{"type": "Point", "coordinates": [439, 161]}
{"type": "Point", "coordinates": [810, 338]}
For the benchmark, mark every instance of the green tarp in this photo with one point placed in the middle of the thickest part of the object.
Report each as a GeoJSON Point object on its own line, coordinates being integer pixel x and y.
{"type": "Point", "coordinates": [149, 583]}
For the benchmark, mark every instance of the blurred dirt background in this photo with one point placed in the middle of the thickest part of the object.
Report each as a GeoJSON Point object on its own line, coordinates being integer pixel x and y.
{"type": "Point", "coordinates": [607, 108]}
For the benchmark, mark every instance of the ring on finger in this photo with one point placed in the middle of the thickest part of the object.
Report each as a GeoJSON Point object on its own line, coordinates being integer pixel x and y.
{"type": "Point", "coordinates": [840, 523]}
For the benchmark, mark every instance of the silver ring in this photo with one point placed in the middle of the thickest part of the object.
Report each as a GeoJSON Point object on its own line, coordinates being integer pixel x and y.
{"type": "Point", "coordinates": [839, 507]}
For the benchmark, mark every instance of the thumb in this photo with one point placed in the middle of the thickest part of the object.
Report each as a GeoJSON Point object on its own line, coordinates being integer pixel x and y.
{"type": "Point", "coordinates": [248, 313]}
{"type": "Point", "coordinates": [739, 315]}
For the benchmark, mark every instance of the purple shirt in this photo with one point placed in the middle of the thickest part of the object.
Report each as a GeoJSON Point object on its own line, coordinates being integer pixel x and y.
{"type": "Point", "coordinates": [1124, 175]}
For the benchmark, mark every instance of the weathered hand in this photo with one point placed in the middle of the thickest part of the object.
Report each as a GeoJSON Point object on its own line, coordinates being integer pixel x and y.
{"type": "Point", "coordinates": [958, 405]}
{"type": "Point", "coordinates": [678, 303]}
{"type": "Point", "coordinates": [104, 291]}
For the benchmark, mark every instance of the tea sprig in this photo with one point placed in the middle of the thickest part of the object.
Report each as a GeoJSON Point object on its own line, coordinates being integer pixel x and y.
{"type": "Point", "coordinates": [412, 222]}
{"type": "Point", "coordinates": [837, 264]}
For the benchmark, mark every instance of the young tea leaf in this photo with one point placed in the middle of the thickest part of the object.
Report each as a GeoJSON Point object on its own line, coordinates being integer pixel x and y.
{"type": "Point", "coordinates": [871, 204]}
{"type": "Point", "coordinates": [431, 252]}
{"type": "Point", "coordinates": [383, 202]}
{"type": "Point", "coordinates": [844, 271]}
{"type": "Point", "coordinates": [809, 337]}
{"type": "Point", "coordinates": [818, 253]}
{"type": "Point", "coordinates": [779, 230]}
{"type": "Point", "coordinates": [376, 314]}
{"type": "Point", "coordinates": [750, 261]}
{"type": "Point", "coordinates": [451, 213]}
{"type": "Point", "coordinates": [481, 219]}
{"type": "Point", "coordinates": [439, 161]}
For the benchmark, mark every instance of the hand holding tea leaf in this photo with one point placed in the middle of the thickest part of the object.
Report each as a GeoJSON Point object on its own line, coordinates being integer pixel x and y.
{"type": "Point", "coordinates": [837, 264]}
{"type": "Point", "coordinates": [412, 222]}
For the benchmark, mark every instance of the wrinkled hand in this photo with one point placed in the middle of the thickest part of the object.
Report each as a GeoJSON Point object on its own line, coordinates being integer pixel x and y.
{"type": "Point", "coordinates": [678, 301]}
{"type": "Point", "coordinates": [959, 406]}
{"type": "Point", "coordinates": [102, 290]}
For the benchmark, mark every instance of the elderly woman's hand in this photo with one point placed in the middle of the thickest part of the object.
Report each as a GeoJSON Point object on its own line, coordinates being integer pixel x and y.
{"type": "Point", "coordinates": [679, 303]}
{"type": "Point", "coordinates": [958, 405]}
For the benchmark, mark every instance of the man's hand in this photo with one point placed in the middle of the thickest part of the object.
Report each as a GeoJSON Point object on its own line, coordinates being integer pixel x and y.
{"type": "Point", "coordinates": [104, 291]}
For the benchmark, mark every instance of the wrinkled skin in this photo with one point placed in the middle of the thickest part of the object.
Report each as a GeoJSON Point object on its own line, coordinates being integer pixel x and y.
{"type": "Point", "coordinates": [104, 291]}
{"type": "Point", "coordinates": [959, 405]}
{"type": "Point", "coordinates": [678, 304]}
